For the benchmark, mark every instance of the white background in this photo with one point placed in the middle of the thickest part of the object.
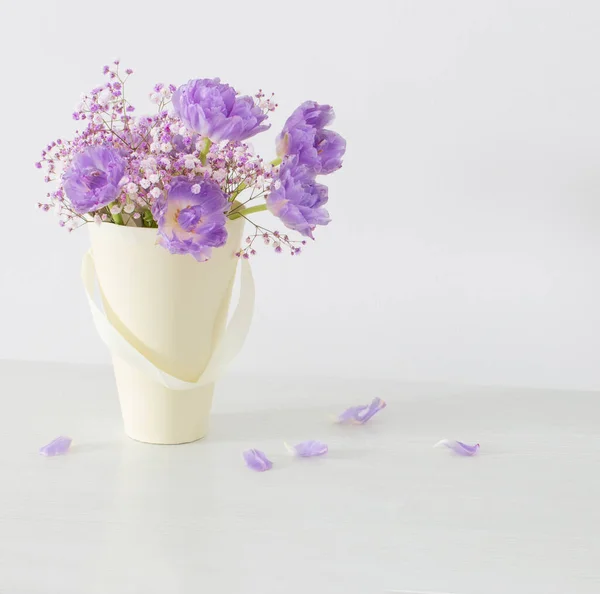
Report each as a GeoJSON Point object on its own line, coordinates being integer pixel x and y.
{"type": "Point", "coordinates": [465, 241]}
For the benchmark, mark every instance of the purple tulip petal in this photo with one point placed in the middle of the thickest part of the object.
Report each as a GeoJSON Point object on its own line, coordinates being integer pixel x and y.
{"type": "Point", "coordinates": [256, 460]}
{"type": "Point", "coordinates": [307, 449]}
{"type": "Point", "coordinates": [359, 415]}
{"type": "Point", "coordinates": [351, 414]}
{"type": "Point", "coordinates": [460, 448]}
{"type": "Point", "coordinates": [56, 447]}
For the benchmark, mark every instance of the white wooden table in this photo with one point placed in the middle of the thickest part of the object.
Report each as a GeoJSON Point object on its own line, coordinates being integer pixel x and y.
{"type": "Point", "coordinates": [382, 512]}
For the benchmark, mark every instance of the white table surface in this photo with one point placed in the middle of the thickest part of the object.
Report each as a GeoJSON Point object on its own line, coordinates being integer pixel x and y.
{"type": "Point", "coordinates": [383, 512]}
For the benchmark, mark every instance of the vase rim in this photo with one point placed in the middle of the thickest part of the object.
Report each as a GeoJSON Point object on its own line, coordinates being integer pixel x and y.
{"type": "Point", "coordinates": [234, 204]}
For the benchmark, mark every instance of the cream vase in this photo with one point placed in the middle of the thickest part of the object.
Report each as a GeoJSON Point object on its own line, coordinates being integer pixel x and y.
{"type": "Point", "coordinates": [164, 319]}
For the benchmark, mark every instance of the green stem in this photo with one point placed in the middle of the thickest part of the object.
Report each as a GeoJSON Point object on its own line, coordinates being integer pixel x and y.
{"type": "Point", "coordinates": [276, 161]}
{"type": "Point", "coordinates": [204, 152]}
{"type": "Point", "coordinates": [247, 211]}
{"type": "Point", "coordinates": [117, 218]}
{"type": "Point", "coordinates": [238, 191]}
{"type": "Point", "coordinates": [147, 219]}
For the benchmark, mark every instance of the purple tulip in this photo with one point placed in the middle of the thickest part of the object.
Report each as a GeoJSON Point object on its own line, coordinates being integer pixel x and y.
{"type": "Point", "coordinates": [191, 220]}
{"type": "Point", "coordinates": [330, 147]}
{"type": "Point", "coordinates": [297, 199]}
{"type": "Point", "coordinates": [216, 111]}
{"type": "Point", "coordinates": [304, 137]}
{"type": "Point", "coordinates": [308, 449]}
{"type": "Point", "coordinates": [92, 180]}
{"type": "Point", "coordinates": [256, 460]}
{"type": "Point", "coordinates": [311, 113]}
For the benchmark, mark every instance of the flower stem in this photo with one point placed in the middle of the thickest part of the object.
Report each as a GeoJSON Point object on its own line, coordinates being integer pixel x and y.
{"type": "Point", "coordinates": [276, 161]}
{"type": "Point", "coordinates": [204, 152]}
{"type": "Point", "coordinates": [247, 211]}
{"type": "Point", "coordinates": [117, 218]}
{"type": "Point", "coordinates": [148, 219]}
{"type": "Point", "coordinates": [238, 191]}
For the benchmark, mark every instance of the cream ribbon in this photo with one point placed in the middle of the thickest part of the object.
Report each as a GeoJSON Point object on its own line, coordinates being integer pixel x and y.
{"type": "Point", "coordinates": [227, 347]}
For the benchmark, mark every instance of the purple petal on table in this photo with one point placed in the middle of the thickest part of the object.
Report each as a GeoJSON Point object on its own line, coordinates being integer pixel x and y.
{"type": "Point", "coordinates": [359, 415]}
{"type": "Point", "coordinates": [351, 414]}
{"type": "Point", "coordinates": [307, 449]}
{"type": "Point", "coordinates": [376, 405]}
{"type": "Point", "coordinates": [463, 449]}
{"type": "Point", "coordinates": [256, 460]}
{"type": "Point", "coordinates": [56, 447]}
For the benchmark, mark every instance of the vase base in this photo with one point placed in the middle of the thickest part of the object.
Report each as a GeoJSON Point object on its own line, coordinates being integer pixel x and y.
{"type": "Point", "coordinates": [153, 413]}
{"type": "Point", "coordinates": [164, 443]}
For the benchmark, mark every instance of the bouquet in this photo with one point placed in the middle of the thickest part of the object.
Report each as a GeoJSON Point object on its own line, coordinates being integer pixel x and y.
{"type": "Point", "coordinates": [188, 169]}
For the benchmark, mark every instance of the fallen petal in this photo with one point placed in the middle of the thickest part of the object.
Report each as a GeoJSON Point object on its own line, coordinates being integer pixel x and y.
{"type": "Point", "coordinates": [256, 460]}
{"type": "Point", "coordinates": [307, 449]}
{"type": "Point", "coordinates": [350, 415]}
{"type": "Point", "coordinates": [56, 447]}
{"type": "Point", "coordinates": [376, 405]}
{"type": "Point", "coordinates": [463, 449]}
{"type": "Point", "coordinates": [359, 415]}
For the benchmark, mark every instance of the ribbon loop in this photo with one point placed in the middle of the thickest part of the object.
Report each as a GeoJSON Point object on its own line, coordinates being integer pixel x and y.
{"type": "Point", "coordinates": [229, 345]}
